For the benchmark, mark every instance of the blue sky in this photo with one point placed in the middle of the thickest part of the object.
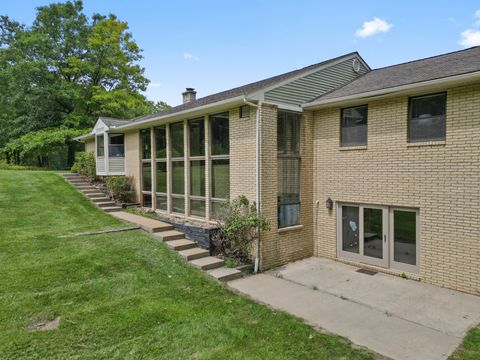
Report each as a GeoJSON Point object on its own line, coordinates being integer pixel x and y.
{"type": "Point", "coordinates": [216, 45]}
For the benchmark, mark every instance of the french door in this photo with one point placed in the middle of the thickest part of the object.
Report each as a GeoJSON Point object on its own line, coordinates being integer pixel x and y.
{"type": "Point", "coordinates": [362, 233]}
{"type": "Point", "coordinates": [379, 235]}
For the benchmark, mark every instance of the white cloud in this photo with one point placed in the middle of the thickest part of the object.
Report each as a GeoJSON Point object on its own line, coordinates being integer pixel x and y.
{"type": "Point", "coordinates": [190, 57]}
{"type": "Point", "coordinates": [373, 27]}
{"type": "Point", "coordinates": [154, 85]}
{"type": "Point", "coordinates": [470, 37]}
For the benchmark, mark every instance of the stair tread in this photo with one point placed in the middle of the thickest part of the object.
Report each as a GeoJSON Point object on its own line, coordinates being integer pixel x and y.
{"type": "Point", "coordinates": [180, 242]}
{"type": "Point", "coordinates": [225, 273]}
{"type": "Point", "coordinates": [207, 262]}
{"type": "Point", "coordinates": [148, 224]}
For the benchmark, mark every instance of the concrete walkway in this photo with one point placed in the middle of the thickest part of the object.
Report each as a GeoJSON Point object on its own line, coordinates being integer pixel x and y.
{"type": "Point", "coordinates": [398, 318]}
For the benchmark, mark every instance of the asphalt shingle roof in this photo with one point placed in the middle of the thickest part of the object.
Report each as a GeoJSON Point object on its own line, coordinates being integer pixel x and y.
{"type": "Point", "coordinates": [432, 68]}
{"type": "Point", "coordinates": [239, 91]}
{"type": "Point", "coordinates": [113, 122]}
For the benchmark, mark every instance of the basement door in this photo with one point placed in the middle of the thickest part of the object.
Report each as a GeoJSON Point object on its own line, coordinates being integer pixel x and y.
{"type": "Point", "coordinates": [362, 232]}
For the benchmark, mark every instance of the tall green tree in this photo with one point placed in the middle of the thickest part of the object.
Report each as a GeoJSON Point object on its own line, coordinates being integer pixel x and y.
{"type": "Point", "coordinates": [66, 70]}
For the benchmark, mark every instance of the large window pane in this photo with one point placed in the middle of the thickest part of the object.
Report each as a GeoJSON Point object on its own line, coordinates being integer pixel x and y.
{"type": "Point", "coordinates": [176, 139]}
{"type": "Point", "coordinates": [220, 143]}
{"type": "Point", "coordinates": [373, 232]}
{"type": "Point", "coordinates": [354, 126]}
{"type": "Point", "coordinates": [161, 142]}
{"type": "Point", "coordinates": [216, 209]}
{"type": "Point", "coordinates": [288, 182]}
{"type": "Point", "coordinates": [197, 177]}
{"type": "Point", "coordinates": [146, 177]}
{"type": "Point", "coordinates": [350, 229]}
{"type": "Point", "coordinates": [162, 177]}
{"type": "Point", "coordinates": [162, 202]}
{"type": "Point", "coordinates": [116, 147]}
{"type": "Point", "coordinates": [100, 146]}
{"type": "Point", "coordinates": [147, 200]}
{"type": "Point", "coordinates": [197, 208]}
{"type": "Point", "coordinates": [405, 237]}
{"type": "Point", "coordinates": [178, 177]}
{"type": "Point", "coordinates": [427, 118]}
{"type": "Point", "coordinates": [288, 133]}
{"type": "Point", "coordinates": [197, 137]}
{"type": "Point", "coordinates": [146, 143]}
{"type": "Point", "coordinates": [220, 179]}
{"type": "Point", "coordinates": [178, 205]}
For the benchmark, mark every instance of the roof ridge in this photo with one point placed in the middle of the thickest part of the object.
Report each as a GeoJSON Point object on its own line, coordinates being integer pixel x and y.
{"type": "Point", "coordinates": [425, 58]}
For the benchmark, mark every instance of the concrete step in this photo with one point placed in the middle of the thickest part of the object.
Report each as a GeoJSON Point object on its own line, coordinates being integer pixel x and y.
{"type": "Point", "coordinates": [225, 274]}
{"type": "Point", "coordinates": [147, 224]}
{"type": "Point", "coordinates": [86, 187]}
{"type": "Point", "coordinates": [100, 199]}
{"type": "Point", "coordinates": [105, 204]}
{"type": "Point", "coordinates": [78, 182]}
{"type": "Point", "coordinates": [194, 253]}
{"type": "Point", "coordinates": [207, 263]}
{"type": "Point", "coordinates": [90, 190]}
{"type": "Point", "coordinates": [81, 184]}
{"type": "Point", "coordinates": [112, 209]}
{"type": "Point", "coordinates": [181, 244]}
{"type": "Point", "coordinates": [96, 195]}
{"type": "Point", "coordinates": [169, 235]}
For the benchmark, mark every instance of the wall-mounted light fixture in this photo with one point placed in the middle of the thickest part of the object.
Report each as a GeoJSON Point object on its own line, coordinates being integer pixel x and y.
{"type": "Point", "coordinates": [329, 204]}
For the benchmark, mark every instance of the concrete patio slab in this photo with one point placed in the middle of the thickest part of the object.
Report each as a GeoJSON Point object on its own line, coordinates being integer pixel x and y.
{"type": "Point", "coordinates": [398, 318]}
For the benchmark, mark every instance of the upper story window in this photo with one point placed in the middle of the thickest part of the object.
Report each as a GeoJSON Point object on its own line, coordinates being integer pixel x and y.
{"type": "Point", "coordinates": [288, 168]}
{"type": "Point", "coordinates": [100, 146]}
{"type": "Point", "coordinates": [426, 120]}
{"type": "Point", "coordinates": [146, 143]}
{"type": "Point", "coordinates": [176, 140]}
{"type": "Point", "coordinates": [161, 141]}
{"type": "Point", "coordinates": [116, 147]}
{"type": "Point", "coordinates": [244, 111]}
{"type": "Point", "coordinates": [354, 126]}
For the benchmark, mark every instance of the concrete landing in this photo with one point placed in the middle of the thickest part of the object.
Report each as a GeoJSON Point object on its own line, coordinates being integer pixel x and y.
{"type": "Point", "coordinates": [398, 318]}
{"type": "Point", "coordinates": [150, 225]}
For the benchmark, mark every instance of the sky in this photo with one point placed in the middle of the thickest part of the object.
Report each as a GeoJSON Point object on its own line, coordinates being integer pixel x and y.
{"type": "Point", "coordinates": [214, 45]}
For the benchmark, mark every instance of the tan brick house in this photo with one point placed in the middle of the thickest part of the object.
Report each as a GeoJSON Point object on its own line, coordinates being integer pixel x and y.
{"type": "Point", "coordinates": [378, 168]}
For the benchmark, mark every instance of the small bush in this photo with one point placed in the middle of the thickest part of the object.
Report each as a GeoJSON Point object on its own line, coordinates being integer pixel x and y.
{"type": "Point", "coordinates": [5, 166]}
{"type": "Point", "coordinates": [120, 188]}
{"type": "Point", "coordinates": [74, 168]}
{"type": "Point", "coordinates": [86, 165]}
{"type": "Point", "coordinates": [238, 225]}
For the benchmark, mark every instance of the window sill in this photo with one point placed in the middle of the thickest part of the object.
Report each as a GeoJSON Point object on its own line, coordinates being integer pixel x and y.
{"type": "Point", "coordinates": [427, 143]}
{"type": "Point", "coordinates": [351, 148]}
{"type": "Point", "coordinates": [290, 228]}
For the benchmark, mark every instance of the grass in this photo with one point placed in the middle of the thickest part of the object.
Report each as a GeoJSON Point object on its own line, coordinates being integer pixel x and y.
{"type": "Point", "coordinates": [123, 295]}
{"type": "Point", "coordinates": [470, 349]}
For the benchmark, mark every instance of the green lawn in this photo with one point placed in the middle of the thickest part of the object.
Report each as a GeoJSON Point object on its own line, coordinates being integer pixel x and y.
{"type": "Point", "coordinates": [122, 295]}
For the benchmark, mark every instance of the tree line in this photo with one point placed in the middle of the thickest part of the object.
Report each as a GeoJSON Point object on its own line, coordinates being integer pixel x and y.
{"type": "Point", "coordinates": [58, 75]}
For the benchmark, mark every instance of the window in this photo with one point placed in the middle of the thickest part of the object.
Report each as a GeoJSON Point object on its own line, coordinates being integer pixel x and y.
{"type": "Point", "coordinates": [100, 146]}
{"type": "Point", "coordinates": [178, 167]}
{"type": "Point", "coordinates": [354, 126]}
{"type": "Point", "coordinates": [196, 137]}
{"type": "Point", "coordinates": [176, 139]}
{"type": "Point", "coordinates": [146, 143]}
{"type": "Point", "coordinates": [161, 162]}
{"type": "Point", "coordinates": [116, 147]}
{"type": "Point", "coordinates": [161, 142]}
{"type": "Point", "coordinates": [220, 162]}
{"type": "Point", "coordinates": [288, 168]}
{"type": "Point", "coordinates": [146, 176]}
{"type": "Point", "coordinates": [427, 118]}
{"type": "Point", "coordinates": [244, 111]}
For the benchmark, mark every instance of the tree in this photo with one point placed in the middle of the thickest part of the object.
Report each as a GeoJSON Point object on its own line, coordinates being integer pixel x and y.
{"type": "Point", "coordinates": [66, 70]}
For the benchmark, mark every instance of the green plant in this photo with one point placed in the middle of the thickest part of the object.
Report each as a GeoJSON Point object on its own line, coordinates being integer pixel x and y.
{"type": "Point", "coordinates": [403, 275]}
{"type": "Point", "coordinates": [230, 263]}
{"type": "Point", "coordinates": [238, 226]}
{"type": "Point", "coordinates": [120, 188]}
{"type": "Point", "coordinates": [5, 166]}
{"type": "Point", "coordinates": [86, 165]}
{"type": "Point", "coordinates": [74, 168]}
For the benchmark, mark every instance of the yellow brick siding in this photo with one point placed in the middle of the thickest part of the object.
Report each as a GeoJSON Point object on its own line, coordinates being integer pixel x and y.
{"type": "Point", "coordinates": [443, 181]}
{"type": "Point", "coordinates": [278, 248]}
{"type": "Point", "coordinates": [132, 159]}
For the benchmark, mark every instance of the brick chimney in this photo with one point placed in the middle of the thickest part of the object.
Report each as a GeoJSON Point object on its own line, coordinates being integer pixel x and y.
{"type": "Point", "coordinates": [189, 95]}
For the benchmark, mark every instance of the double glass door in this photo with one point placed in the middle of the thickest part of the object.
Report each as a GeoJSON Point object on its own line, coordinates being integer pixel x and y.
{"type": "Point", "coordinates": [378, 235]}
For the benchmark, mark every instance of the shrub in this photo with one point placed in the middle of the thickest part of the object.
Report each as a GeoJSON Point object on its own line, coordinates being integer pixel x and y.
{"type": "Point", "coordinates": [5, 166]}
{"type": "Point", "coordinates": [120, 188]}
{"type": "Point", "coordinates": [74, 168]}
{"type": "Point", "coordinates": [86, 165]}
{"type": "Point", "coordinates": [238, 226]}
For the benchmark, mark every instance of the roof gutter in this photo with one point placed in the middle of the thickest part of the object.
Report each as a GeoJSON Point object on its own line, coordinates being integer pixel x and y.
{"type": "Point", "coordinates": [141, 123]}
{"type": "Point", "coordinates": [83, 137]}
{"type": "Point", "coordinates": [258, 106]}
{"type": "Point", "coordinates": [392, 90]}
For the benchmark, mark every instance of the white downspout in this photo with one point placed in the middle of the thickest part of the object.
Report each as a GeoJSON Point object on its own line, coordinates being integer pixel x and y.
{"type": "Point", "coordinates": [257, 176]}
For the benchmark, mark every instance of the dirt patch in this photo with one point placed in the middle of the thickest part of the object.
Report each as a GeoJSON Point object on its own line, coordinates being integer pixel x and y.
{"type": "Point", "coordinates": [46, 325]}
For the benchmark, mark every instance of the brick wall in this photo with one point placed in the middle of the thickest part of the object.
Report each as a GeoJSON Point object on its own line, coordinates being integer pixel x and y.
{"type": "Point", "coordinates": [132, 159]}
{"type": "Point", "coordinates": [279, 247]}
{"type": "Point", "coordinates": [442, 180]}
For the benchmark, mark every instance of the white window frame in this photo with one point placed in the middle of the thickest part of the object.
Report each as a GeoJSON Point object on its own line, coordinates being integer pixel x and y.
{"type": "Point", "coordinates": [414, 269]}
